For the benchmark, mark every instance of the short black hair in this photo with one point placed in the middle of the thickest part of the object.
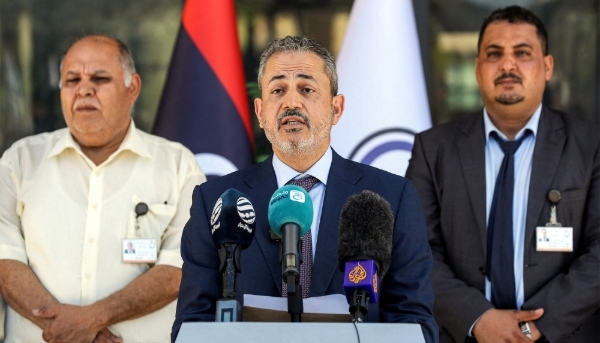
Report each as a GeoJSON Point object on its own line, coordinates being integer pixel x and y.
{"type": "Point", "coordinates": [516, 15]}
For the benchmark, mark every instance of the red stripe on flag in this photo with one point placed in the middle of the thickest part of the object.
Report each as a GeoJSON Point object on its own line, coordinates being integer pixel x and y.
{"type": "Point", "coordinates": [212, 26]}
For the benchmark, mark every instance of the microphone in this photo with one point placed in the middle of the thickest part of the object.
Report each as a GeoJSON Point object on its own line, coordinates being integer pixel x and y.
{"type": "Point", "coordinates": [233, 223]}
{"type": "Point", "coordinates": [364, 249]}
{"type": "Point", "coordinates": [290, 216]}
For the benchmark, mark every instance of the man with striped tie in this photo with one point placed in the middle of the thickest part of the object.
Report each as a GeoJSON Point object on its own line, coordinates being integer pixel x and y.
{"type": "Point", "coordinates": [298, 107]}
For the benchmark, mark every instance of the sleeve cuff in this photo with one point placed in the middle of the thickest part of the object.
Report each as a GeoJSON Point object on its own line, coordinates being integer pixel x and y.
{"type": "Point", "coordinates": [8, 252]}
{"type": "Point", "coordinates": [170, 258]}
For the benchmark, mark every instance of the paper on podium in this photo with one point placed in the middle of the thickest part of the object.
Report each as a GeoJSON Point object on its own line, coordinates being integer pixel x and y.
{"type": "Point", "coordinates": [328, 308]}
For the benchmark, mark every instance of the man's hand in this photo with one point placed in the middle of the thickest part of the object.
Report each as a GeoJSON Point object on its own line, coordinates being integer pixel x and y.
{"type": "Point", "coordinates": [73, 324]}
{"type": "Point", "coordinates": [105, 336]}
{"type": "Point", "coordinates": [535, 332]}
{"type": "Point", "coordinates": [503, 326]}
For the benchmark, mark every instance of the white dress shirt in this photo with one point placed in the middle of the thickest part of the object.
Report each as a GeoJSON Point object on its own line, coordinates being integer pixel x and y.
{"type": "Point", "coordinates": [320, 170]}
{"type": "Point", "coordinates": [66, 218]}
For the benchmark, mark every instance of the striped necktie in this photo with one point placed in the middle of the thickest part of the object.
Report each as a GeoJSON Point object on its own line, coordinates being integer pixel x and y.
{"type": "Point", "coordinates": [307, 183]}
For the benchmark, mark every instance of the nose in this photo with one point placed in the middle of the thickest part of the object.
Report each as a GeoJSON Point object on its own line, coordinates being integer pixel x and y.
{"type": "Point", "coordinates": [292, 100]}
{"type": "Point", "coordinates": [508, 63]}
{"type": "Point", "coordinates": [86, 88]}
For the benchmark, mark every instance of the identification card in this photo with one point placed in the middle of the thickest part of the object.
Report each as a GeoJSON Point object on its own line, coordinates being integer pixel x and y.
{"type": "Point", "coordinates": [554, 238]}
{"type": "Point", "coordinates": [139, 251]}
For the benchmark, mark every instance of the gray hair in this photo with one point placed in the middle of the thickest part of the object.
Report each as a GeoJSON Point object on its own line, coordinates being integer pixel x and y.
{"type": "Point", "coordinates": [300, 44]}
{"type": "Point", "coordinates": [125, 56]}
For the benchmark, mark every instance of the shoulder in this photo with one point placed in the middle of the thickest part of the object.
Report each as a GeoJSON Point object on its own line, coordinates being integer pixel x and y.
{"type": "Point", "coordinates": [156, 143]}
{"type": "Point", "coordinates": [238, 179]}
{"type": "Point", "coordinates": [166, 151]}
{"type": "Point", "coordinates": [451, 130]}
{"type": "Point", "coordinates": [575, 127]}
{"type": "Point", "coordinates": [32, 148]}
{"type": "Point", "coordinates": [365, 176]}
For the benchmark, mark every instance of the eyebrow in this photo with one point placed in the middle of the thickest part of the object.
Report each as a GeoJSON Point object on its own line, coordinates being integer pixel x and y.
{"type": "Point", "coordinates": [283, 77]}
{"type": "Point", "coordinates": [101, 71]}
{"type": "Point", "coordinates": [520, 45]}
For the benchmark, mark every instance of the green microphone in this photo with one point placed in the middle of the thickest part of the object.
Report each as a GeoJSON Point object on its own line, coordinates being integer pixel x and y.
{"type": "Point", "coordinates": [290, 216]}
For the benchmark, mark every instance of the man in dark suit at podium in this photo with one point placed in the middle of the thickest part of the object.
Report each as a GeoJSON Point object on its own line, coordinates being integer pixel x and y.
{"type": "Point", "coordinates": [490, 180]}
{"type": "Point", "coordinates": [298, 107]}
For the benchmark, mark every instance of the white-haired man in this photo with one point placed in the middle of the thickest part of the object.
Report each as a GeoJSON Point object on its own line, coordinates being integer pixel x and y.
{"type": "Point", "coordinates": [73, 199]}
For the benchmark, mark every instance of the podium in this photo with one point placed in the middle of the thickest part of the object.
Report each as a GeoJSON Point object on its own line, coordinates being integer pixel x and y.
{"type": "Point", "coordinates": [249, 332]}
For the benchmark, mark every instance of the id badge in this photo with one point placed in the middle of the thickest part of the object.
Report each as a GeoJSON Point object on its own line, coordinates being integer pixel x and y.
{"type": "Point", "coordinates": [139, 250]}
{"type": "Point", "coordinates": [554, 238]}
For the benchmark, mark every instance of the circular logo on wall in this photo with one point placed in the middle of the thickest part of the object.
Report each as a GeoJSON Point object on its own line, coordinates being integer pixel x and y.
{"type": "Point", "coordinates": [246, 210]}
{"type": "Point", "coordinates": [214, 165]}
{"type": "Point", "coordinates": [387, 149]}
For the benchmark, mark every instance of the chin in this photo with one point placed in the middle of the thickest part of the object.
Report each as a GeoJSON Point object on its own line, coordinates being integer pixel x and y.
{"type": "Point", "coordinates": [87, 126]}
{"type": "Point", "coordinates": [509, 99]}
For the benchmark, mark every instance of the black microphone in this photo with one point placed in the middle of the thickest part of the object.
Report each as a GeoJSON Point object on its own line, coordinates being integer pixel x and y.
{"type": "Point", "coordinates": [364, 249]}
{"type": "Point", "coordinates": [233, 222]}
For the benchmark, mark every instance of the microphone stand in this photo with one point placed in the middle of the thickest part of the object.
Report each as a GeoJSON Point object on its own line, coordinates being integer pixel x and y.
{"type": "Point", "coordinates": [360, 304]}
{"type": "Point", "coordinates": [228, 307]}
{"type": "Point", "coordinates": [290, 258]}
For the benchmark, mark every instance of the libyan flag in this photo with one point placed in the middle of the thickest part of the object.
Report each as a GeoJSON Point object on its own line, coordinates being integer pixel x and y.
{"type": "Point", "coordinates": [204, 104]}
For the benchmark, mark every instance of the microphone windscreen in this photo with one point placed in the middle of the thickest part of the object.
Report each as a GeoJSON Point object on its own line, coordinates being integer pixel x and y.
{"type": "Point", "coordinates": [290, 204]}
{"type": "Point", "coordinates": [366, 230]}
{"type": "Point", "coordinates": [233, 219]}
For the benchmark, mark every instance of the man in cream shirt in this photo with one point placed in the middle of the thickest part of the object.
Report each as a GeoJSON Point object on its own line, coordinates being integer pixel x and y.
{"type": "Point", "coordinates": [71, 200]}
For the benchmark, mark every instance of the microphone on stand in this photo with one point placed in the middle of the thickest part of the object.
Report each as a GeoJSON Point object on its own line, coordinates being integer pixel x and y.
{"type": "Point", "coordinates": [290, 217]}
{"type": "Point", "coordinates": [233, 222]}
{"type": "Point", "coordinates": [364, 249]}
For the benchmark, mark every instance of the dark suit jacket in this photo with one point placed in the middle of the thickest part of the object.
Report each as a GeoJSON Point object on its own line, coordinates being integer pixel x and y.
{"type": "Point", "coordinates": [448, 169]}
{"type": "Point", "coordinates": [406, 290]}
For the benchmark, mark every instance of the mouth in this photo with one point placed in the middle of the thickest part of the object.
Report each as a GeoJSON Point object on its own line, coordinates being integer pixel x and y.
{"type": "Point", "coordinates": [508, 79]}
{"type": "Point", "coordinates": [293, 120]}
{"type": "Point", "coordinates": [85, 108]}
{"type": "Point", "coordinates": [291, 123]}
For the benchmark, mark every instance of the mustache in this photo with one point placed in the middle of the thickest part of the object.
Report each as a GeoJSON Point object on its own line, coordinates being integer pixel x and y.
{"type": "Point", "coordinates": [508, 76]}
{"type": "Point", "coordinates": [293, 113]}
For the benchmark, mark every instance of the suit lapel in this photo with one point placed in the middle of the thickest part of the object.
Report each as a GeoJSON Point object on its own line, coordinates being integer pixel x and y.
{"type": "Point", "coordinates": [263, 182]}
{"type": "Point", "coordinates": [471, 150]}
{"type": "Point", "coordinates": [341, 184]}
{"type": "Point", "coordinates": [549, 144]}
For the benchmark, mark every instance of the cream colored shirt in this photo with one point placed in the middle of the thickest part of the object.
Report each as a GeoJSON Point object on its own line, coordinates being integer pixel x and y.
{"type": "Point", "coordinates": [66, 218]}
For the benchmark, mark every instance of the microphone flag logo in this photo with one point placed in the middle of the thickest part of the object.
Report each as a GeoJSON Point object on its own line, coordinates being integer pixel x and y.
{"type": "Point", "coordinates": [357, 274]}
{"type": "Point", "coordinates": [297, 196]}
{"type": "Point", "coordinates": [246, 210]}
{"type": "Point", "coordinates": [216, 211]}
{"type": "Point", "coordinates": [361, 274]}
{"type": "Point", "coordinates": [375, 283]}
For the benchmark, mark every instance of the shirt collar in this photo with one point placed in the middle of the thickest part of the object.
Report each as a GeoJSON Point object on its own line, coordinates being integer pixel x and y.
{"type": "Point", "coordinates": [320, 169]}
{"type": "Point", "coordinates": [132, 142]}
{"type": "Point", "coordinates": [532, 125]}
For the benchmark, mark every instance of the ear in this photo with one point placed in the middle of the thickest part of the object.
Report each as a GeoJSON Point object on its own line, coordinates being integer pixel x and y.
{"type": "Point", "coordinates": [338, 103]}
{"type": "Point", "coordinates": [135, 87]}
{"type": "Point", "coordinates": [549, 66]}
{"type": "Point", "coordinates": [477, 67]}
{"type": "Point", "coordinates": [258, 110]}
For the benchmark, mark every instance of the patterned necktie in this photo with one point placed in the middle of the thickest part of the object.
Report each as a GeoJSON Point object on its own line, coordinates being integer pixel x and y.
{"type": "Point", "coordinates": [500, 248]}
{"type": "Point", "coordinates": [307, 183]}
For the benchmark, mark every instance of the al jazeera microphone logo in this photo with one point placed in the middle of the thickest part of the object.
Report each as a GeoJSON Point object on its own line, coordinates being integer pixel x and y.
{"type": "Point", "coordinates": [357, 274]}
{"type": "Point", "coordinates": [375, 283]}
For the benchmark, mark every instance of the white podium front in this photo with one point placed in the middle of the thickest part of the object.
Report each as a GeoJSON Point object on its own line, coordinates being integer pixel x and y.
{"type": "Point", "coordinates": [248, 332]}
